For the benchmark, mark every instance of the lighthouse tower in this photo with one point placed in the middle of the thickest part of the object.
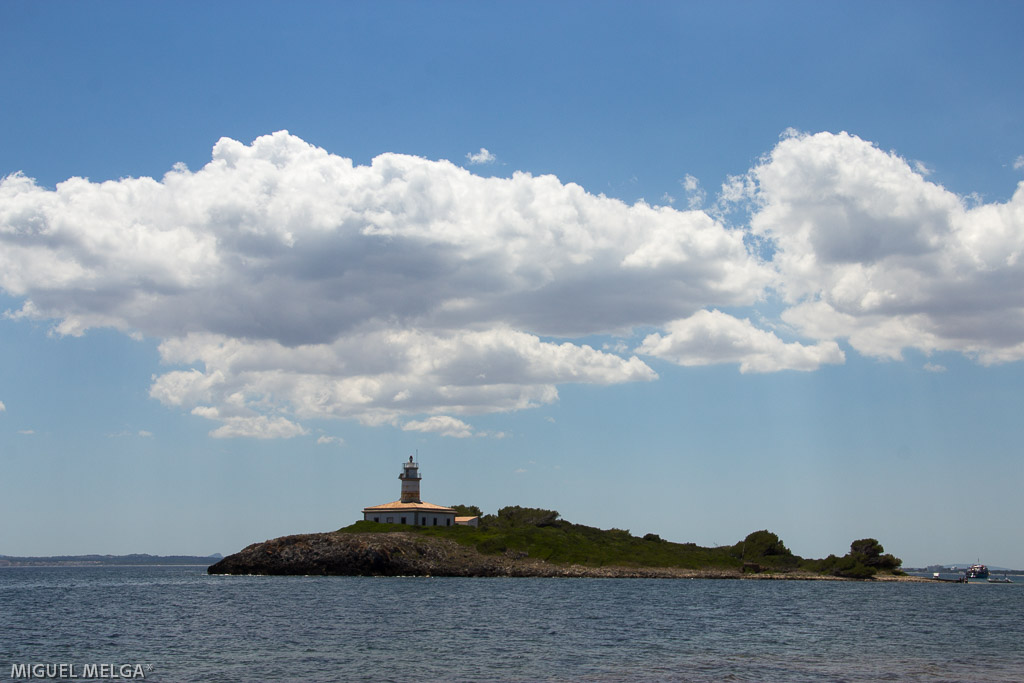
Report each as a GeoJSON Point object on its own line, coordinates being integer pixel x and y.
{"type": "Point", "coordinates": [410, 477]}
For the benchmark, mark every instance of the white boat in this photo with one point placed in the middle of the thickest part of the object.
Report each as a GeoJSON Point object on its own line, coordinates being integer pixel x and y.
{"type": "Point", "coordinates": [977, 571]}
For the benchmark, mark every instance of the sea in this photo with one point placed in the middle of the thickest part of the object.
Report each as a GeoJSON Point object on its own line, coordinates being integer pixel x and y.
{"type": "Point", "coordinates": [176, 623]}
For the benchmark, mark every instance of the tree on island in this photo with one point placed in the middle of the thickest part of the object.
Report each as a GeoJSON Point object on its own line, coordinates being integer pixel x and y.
{"type": "Point", "coordinates": [515, 516]}
{"type": "Point", "coordinates": [866, 558]}
{"type": "Point", "coordinates": [764, 549]}
{"type": "Point", "coordinates": [869, 552]}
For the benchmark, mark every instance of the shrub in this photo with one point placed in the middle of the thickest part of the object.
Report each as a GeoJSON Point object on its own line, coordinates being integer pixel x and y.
{"type": "Point", "coordinates": [519, 516]}
{"type": "Point", "coordinates": [869, 552]}
{"type": "Point", "coordinates": [492, 546]}
{"type": "Point", "coordinates": [857, 571]}
{"type": "Point", "coordinates": [761, 544]}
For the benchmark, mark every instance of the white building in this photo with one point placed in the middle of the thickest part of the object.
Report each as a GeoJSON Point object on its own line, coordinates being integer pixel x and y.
{"type": "Point", "coordinates": [410, 509]}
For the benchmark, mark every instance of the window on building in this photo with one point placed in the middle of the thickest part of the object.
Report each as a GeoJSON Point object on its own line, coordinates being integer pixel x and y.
{"type": "Point", "coordinates": [376, 519]}
{"type": "Point", "coordinates": [449, 521]}
{"type": "Point", "coordinates": [403, 520]}
{"type": "Point", "coordinates": [390, 520]}
{"type": "Point", "coordinates": [435, 521]}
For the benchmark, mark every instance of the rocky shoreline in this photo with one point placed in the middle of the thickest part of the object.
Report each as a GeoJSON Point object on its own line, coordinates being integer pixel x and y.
{"type": "Point", "coordinates": [410, 554]}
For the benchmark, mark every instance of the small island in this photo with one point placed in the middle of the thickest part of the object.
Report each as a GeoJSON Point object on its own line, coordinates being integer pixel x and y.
{"type": "Point", "coordinates": [410, 537]}
{"type": "Point", "coordinates": [537, 543]}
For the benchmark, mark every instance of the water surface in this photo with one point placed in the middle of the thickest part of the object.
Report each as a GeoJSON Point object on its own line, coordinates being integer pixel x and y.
{"type": "Point", "coordinates": [186, 626]}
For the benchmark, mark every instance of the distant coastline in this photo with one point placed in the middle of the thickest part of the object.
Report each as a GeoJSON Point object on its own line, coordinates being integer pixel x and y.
{"type": "Point", "coordinates": [133, 560]}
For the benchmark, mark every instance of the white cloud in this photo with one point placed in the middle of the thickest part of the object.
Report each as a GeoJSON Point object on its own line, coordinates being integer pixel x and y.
{"type": "Point", "coordinates": [286, 283]}
{"type": "Point", "coordinates": [329, 440]}
{"type": "Point", "coordinates": [440, 424]}
{"type": "Point", "coordinates": [186, 387]}
{"type": "Point", "coordinates": [377, 377]}
{"type": "Point", "coordinates": [1018, 163]}
{"type": "Point", "coordinates": [252, 426]}
{"type": "Point", "coordinates": [934, 367]}
{"type": "Point", "coordinates": [695, 194]}
{"type": "Point", "coordinates": [712, 337]}
{"type": "Point", "coordinates": [619, 346]}
{"type": "Point", "coordinates": [868, 250]}
{"type": "Point", "coordinates": [141, 433]}
{"type": "Point", "coordinates": [27, 432]}
{"type": "Point", "coordinates": [281, 240]}
{"type": "Point", "coordinates": [3, 408]}
{"type": "Point", "coordinates": [481, 157]}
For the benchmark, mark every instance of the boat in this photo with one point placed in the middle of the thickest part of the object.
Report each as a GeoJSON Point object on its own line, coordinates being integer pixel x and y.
{"type": "Point", "coordinates": [977, 571]}
{"type": "Point", "coordinates": [998, 579]}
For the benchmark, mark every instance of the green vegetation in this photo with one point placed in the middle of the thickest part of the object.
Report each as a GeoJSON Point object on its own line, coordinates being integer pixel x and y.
{"type": "Point", "coordinates": [864, 560]}
{"type": "Point", "coordinates": [763, 550]}
{"type": "Point", "coordinates": [541, 534]}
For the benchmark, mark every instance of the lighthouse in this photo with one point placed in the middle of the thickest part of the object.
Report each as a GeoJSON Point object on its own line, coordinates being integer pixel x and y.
{"type": "Point", "coordinates": [410, 508]}
{"type": "Point", "coordinates": [410, 477]}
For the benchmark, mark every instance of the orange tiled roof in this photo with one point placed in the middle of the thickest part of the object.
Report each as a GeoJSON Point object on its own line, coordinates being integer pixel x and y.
{"type": "Point", "coordinates": [399, 505]}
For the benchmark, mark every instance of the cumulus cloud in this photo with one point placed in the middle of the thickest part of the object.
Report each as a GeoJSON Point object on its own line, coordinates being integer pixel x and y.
{"type": "Point", "coordinates": [869, 250]}
{"type": "Point", "coordinates": [330, 440]}
{"type": "Point", "coordinates": [3, 408]}
{"type": "Point", "coordinates": [286, 283]}
{"type": "Point", "coordinates": [440, 424]}
{"type": "Point", "coordinates": [377, 377]}
{"type": "Point", "coordinates": [281, 240]}
{"type": "Point", "coordinates": [252, 426]}
{"type": "Point", "coordinates": [481, 157]}
{"type": "Point", "coordinates": [713, 337]}
{"type": "Point", "coordinates": [141, 433]}
{"type": "Point", "coordinates": [695, 194]}
{"type": "Point", "coordinates": [1018, 163]}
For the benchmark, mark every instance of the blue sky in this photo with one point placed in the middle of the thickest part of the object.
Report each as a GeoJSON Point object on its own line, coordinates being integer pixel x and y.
{"type": "Point", "coordinates": [692, 269]}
